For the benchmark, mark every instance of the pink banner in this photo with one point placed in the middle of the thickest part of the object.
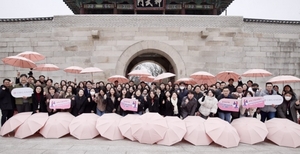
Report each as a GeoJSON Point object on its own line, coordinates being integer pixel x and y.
{"type": "Point", "coordinates": [229, 105]}
{"type": "Point", "coordinates": [253, 102]}
{"type": "Point", "coordinates": [129, 104]}
{"type": "Point", "coordinates": [60, 103]}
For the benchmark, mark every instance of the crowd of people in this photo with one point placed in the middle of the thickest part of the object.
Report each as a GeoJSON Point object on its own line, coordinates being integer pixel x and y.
{"type": "Point", "coordinates": [169, 99]}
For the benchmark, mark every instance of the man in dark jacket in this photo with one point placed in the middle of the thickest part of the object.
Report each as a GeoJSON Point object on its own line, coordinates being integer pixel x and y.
{"type": "Point", "coordinates": [7, 103]}
{"type": "Point", "coordinates": [181, 92]}
{"type": "Point", "coordinates": [188, 105]}
{"type": "Point", "coordinates": [225, 115]}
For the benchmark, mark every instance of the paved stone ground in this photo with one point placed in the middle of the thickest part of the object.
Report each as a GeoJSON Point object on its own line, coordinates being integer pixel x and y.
{"type": "Point", "coordinates": [68, 144]}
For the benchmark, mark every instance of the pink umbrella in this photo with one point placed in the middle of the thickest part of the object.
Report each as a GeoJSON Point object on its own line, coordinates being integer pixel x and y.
{"type": "Point", "coordinates": [57, 125]}
{"type": "Point", "coordinates": [221, 132]}
{"type": "Point", "coordinates": [33, 56]}
{"type": "Point", "coordinates": [125, 125]}
{"type": "Point", "coordinates": [226, 75]}
{"type": "Point", "coordinates": [84, 126]}
{"type": "Point", "coordinates": [14, 122]}
{"type": "Point", "coordinates": [91, 70]}
{"type": "Point", "coordinates": [176, 131]}
{"type": "Point", "coordinates": [46, 67]}
{"type": "Point", "coordinates": [256, 73]}
{"type": "Point", "coordinates": [284, 79]}
{"type": "Point", "coordinates": [138, 73]}
{"type": "Point", "coordinates": [149, 128]}
{"type": "Point", "coordinates": [121, 79]}
{"type": "Point", "coordinates": [164, 76]}
{"type": "Point", "coordinates": [196, 131]}
{"type": "Point", "coordinates": [202, 77]}
{"type": "Point", "coordinates": [31, 125]}
{"type": "Point", "coordinates": [147, 78]}
{"type": "Point", "coordinates": [283, 132]}
{"type": "Point", "coordinates": [186, 81]}
{"type": "Point", "coordinates": [107, 125]}
{"type": "Point", "coordinates": [250, 130]}
{"type": "Point", "coordinates": [19, 62]}
{"type": "Point", "coordinates": [73, 69]}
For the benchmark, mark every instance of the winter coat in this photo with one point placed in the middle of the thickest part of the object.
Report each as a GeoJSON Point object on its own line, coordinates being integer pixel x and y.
{"type": "Point", "coordinates": [111, 105]}
{"type": "Point", "coordinates": [48, 96]}
{"type": "Point", "coordinates": [141, 106]}
{"type": "Point", "coordinates": [282, 109]}
{"type": "Point", "coordinates": [188, 109]}
{"type": "Point", "coordinates": [208, 105]}
{"type": "Point", "coordinates": [152, 104]}
{"type": "Point", "coordinates": [268, 108]}
{"type": "Point", "coordinates": [168, 107]}
{"type": "Point", "coordinates": [7, 101]}
{"type": "Point", "coordinates": [78, 105]}
{"type": "Point", "coordinates": [19, 101]}
{"type": "Point", "coordinates": [39, 104]}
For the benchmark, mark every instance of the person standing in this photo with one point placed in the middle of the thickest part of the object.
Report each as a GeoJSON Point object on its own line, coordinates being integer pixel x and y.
{"type": "Point", "coordinates": [78, 103]}
{"type": "Point", "coordinates": [39, 100]}
{"type": "Point", "coordinates": [24, 104]}
{"type": "Point", "coordinates": [288, 109]}
{"type": "Point", "coordinates": [152, 103]}
{"type": "Point", "coordinates": [51, 95]}
{"type": "Point", "coordinates": [7, 102]}
{"type": "Point", "coordinates": [188, 105]}
{"type": "Point", "coordinates": [225, 115]}
{"type": "Point", "coordinates": [209, 105]}
{"type": "Point", "coordinates": [268, 111]}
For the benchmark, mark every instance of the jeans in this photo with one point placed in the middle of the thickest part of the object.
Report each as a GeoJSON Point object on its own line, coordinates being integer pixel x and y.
{"type": "Point", "coordinates": [225, 116]}
{"type": "Point", "coordinates": [268, 115]}
{"type": "Point", "coordinates": [6, 114]}
{"type": "Point", "coordinates": [99, 113]}
{"type": "Point", "coordinates": [139, 112]}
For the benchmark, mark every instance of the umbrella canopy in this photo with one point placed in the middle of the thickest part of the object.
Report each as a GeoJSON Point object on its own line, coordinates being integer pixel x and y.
{"type": "Point", "coordinates": [283, 132]}
{"type": "Point", "coordinates": [256, 73]}
{"type": "Point", "coordinates": [284, 79]}
{"type": "Point", "coordinates": [31, 125]}
{"type": "Point", "coordinates": [147, 78]}
{"type": "Point", "coordinates": [84, 126]}
{"type": "Point", "coordinates": [14, 122]}
{"type": "Point", "coordinates": [226, 75]}
{"type": "Point", "coordinates": [121, 79]}
{"type": "Point", "coordinates": [57, 125]}
{"type": "Point", "coordinates": [164, 76]}
{"type": "Point", "coordinates": [107, 125]}
{"type": "Point", "coordinates": [149, 128]}
{"type": "Point", "coordinates": [176, 131]}
{"type": "Point", "coordinates": [47, 67]}
{"type": "Point", "coordinates": [19, 62]}
{"type": "Point", "coordinates": [250, 130]}
{"type": "Point", "coordinates": [33, 56]}
{"type": "Point", "coordinates": [202, 77]}
{"type": "Point", "coordinates": [221, 132]}
{"type": "Point", "coordinates": [196, 131]}
{"type": "Point", "coordinates": [91, 70]}
{"type": "Point", "coordinates": [125, 125]}
{"type": "Point", "coordinates": [138, 73]}
{"type": "Point", "coordinates": [73, 69]}
{"type": "Point", "coordinates": [186, 81]}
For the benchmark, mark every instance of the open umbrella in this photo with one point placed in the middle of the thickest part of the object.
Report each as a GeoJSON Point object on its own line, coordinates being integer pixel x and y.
{"type": "Point", "coordinates": [176, 131]}
{"type": "Point", "coordinates": [196, 131]}
{"type": "Point", "coordinates": [164, 76]}
{"type": "Point", "coordinates": [149, 128]}
{"type": "Point", "coordinates": [186, 81]}
{"type": "Point", "coordinates": [284, 79]}
{"type": "Point", "coordinates": [73, 69]}
{"type": "Point", "coordinates": [256, 73]}
{"type": "Point", "coordinates": [33, 56]}
{"type": "Point", "coordinates": [91, 70]}
{"type": "Point", "coordinates": [57, 125]}
{"type": "Point", "coordinates": [283, 132]}
{"type": "Point", "coordinates": [125, 125]}
{"type": "Point", "coordinates": [84, 126]}
{"type": "Point", "coordinates": [226, 75]}
{"type": "Point", "coordinates": [47, 67]}
{"type": "Point", "coordinates": [221, 132]}
{"type": "Point", "coordinates": [14, 122]}
{"type": "Point", "coordinates": [250, 130]}
{"type": "Point", "coordinates": [31, 125]}
{"type": "Point", "coordinates": [121, 79]}
{"type": "Point", "coordinates": [138, 73]}
{"type": "Point", "coordinates": [147, 78]}
{"type": "Point", "coordinates": [107, 125]}
{"type": "Point", "coordinates": [19, 62]}
{"type": "Point", "coordinates": [202, 77]}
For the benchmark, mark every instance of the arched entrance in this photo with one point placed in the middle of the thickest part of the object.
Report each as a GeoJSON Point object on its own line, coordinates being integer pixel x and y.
{"type": "Point", "coordinates": [159, 52]}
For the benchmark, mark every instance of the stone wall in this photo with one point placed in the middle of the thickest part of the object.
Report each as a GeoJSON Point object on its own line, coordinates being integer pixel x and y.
{"type": "Point", "coordinates": [231, 44]}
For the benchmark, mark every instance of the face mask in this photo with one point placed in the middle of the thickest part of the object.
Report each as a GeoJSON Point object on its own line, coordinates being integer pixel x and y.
{"type": "Point", "coordinates": [287, 98]}
{"type": "Point", "coordinates": [181, 87]}
{"type": "Point", "coordinates": [92, 93]}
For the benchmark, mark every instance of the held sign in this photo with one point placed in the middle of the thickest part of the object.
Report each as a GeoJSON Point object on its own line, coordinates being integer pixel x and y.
{"type": "Point", "coordinates": [229, 105]}
{"type": "Point", "coordinates": [253, 102]}
{"type": "Point", "coordinates": [21, 92]}
{"type": "Point", "coordinates": [273, 99]}
{"type": "Point", "coordinates": [60, 103]}
{"type": "Point", "coordinates": [129, 104]}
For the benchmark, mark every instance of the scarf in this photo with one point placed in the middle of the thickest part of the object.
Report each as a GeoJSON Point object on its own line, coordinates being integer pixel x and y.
{"type": "Point", "coordinates": [174, 103]}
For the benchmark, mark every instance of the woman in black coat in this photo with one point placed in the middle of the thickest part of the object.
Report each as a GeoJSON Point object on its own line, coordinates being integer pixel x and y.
{"type": "Point", "coordinates": [39, 100]}
{"type": "Point", "coordinates": [78, 103]}
{"type": "Point", "coordinates": [7, 102]}
{"type": "Point", "coordinates": [168, 106]}
{"type": "Point", "coordinates": [141, 101]}
{"type": "Point", "coordinates": [112, 101]}
{"type": "Point", "coordinates": [152, 102]}
{"type": "Point", "coordinates": [90, 106]}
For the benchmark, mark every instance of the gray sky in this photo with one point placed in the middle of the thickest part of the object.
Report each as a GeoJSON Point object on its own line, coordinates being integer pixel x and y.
{"type": "Point", "coordinates": [263, 9]}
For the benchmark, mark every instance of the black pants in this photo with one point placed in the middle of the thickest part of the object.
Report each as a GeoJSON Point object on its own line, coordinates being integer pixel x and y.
{"type": "Point", "coordinates": [25, 107]}
{"type": "Point", "coordinates": [6, 114]}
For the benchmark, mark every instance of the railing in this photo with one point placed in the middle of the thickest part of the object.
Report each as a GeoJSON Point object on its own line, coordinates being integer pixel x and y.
{"type": "Point", "coordinates": [98, 6]}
